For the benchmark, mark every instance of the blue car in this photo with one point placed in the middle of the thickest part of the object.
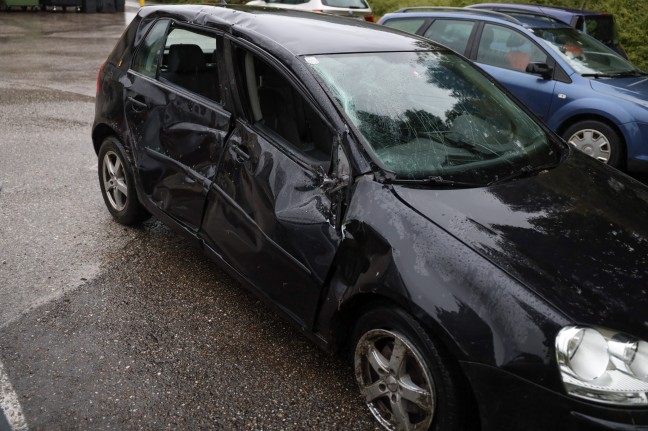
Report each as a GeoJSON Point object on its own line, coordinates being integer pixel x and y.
{"type": "Point", "coordinates": [599, 25]}
{"type": "Point", "coordinates": [592, 97]}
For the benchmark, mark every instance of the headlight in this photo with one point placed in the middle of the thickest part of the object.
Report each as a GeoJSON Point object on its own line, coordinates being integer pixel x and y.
{"type": "Point", "coordinates": [602, 365]}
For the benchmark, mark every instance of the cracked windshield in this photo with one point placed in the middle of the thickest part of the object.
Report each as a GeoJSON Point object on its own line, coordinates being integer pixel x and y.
{"type": "Point", "coordinates": [430, 114]}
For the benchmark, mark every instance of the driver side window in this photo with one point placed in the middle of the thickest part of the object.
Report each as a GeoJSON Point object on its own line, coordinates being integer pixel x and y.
{"type": "Point", "coordinates": [506, 48]}
{"type": "Point", "coordinates": [276, 106]}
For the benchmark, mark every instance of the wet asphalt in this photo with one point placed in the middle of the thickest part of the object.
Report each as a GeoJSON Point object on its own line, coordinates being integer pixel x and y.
{"type": "Point", "coordinates": [107, 327]}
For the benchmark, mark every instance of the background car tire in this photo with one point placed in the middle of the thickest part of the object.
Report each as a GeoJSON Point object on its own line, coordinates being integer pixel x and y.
{"type": "Point", "coordinates": [422, 366]}
{"type": "Point", "coordinates": [118, 185]}
{"type": "Point", "coordinates": [596, 139]}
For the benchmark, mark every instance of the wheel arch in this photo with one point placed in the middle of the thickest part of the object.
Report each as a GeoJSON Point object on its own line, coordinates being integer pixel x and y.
{"type": "Point", "coordinates": [101, 132]}
{"type": "Point", "coordinates": [350, 310]}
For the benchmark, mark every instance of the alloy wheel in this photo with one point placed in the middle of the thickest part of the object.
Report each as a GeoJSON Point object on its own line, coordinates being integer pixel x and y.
{"type": "Point", "coordinates": [114, 179]}
{"type": "Point", "coordinates": [395, 381]}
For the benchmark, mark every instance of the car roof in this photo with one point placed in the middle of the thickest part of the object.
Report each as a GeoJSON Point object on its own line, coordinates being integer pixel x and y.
{"type": "Point", "coordinates": [298, 32]}
{"type": "Point", "coordinates": [538, 8]}
{"type": "Point", "coordinates": [530, 20]}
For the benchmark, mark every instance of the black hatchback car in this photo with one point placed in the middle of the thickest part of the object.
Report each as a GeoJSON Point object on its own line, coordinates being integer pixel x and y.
{"type": "Point", "coordinates": [390, 199]}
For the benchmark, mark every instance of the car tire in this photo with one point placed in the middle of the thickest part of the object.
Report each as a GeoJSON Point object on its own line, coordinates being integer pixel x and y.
{"type": "Point", "coordinates": [118, 184]}
{"type": "Point", "coordinates": [412, 390]}
{"type": "Point", "coordinates": [596, 139]}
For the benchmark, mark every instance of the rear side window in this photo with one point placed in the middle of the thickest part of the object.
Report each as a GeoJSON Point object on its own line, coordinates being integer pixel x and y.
{"type": "Point", "coordinates": [351, 4]}
{"type": "Point", "coordinates": [452, 33]}
{"type": "Point", "coordinates": [410, 25]}
{"type": "Point", "coordinates": [506, 48]}
{"type": "Point", "coordinates": [147, 57]}
{"type": "Point", "coordinates": [287, 1]}
{"type": "Point", "coordinates": [190, 62]}
{"type": "Point", "coordinates": [602, 28]}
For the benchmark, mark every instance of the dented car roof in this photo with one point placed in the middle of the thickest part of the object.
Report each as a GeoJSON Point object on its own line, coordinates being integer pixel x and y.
{"type": "Point", "coordinates": [298, 32]}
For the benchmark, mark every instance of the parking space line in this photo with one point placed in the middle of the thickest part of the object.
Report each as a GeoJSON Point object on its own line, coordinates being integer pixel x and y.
{"type": "Point", "coordinates": [9, 403]}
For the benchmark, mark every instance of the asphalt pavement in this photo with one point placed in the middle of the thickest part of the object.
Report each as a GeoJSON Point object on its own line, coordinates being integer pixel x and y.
{"type": "Point", "coordinates": [107, 327]}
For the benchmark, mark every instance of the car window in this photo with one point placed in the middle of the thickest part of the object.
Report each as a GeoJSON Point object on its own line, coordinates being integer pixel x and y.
{"type": "Point", "coordinates": [352, 4]}
{"type": "Point", "coordinates": [189, 62]}
{"type": "Point", "coordinates": [410, 25]}
{"type": "Point", "coordinates": [502, 47]}
{"type": "Point", "coordinates": [287, 1]}
{"type": "Point", "coordinates": [276, 106]}
{"type": "Point", "coordinates": [602, 28]}
{"type": "Point", "coordinates": [147, 57]}
{"type": "Point", "coordinates": [452, 33]}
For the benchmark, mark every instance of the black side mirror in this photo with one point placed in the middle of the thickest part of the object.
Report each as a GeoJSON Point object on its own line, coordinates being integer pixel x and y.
{"type": "Point", "coordinates": [542, 69]}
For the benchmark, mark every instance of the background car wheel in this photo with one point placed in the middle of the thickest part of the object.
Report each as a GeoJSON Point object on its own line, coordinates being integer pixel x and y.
{"type": "Point", "coordinates": [596, 139]}
{"type": "Point", "coordinates": [402, 375]}
{"type": "Point", "coordinates": [118, 185]}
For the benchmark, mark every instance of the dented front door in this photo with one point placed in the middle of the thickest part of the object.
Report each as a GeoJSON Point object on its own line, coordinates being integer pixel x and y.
{"type": "Point", "coordinates": [268, 217]}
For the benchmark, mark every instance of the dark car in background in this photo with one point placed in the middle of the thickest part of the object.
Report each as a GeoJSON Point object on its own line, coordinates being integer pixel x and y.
{"type": "Point", "coordinates": [596, 100]}
{"type": "Point", "coordinates": [392, 201]}
{"type": "Point", "coordinates": [600, 25]}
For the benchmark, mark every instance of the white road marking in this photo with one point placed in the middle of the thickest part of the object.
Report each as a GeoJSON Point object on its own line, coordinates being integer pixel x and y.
{"type": "Point", "coordinates": [9, 403]}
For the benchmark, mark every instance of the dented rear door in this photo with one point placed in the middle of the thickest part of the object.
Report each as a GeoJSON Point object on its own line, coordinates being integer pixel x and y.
{"type": "Point", "coordinates": [179, 124]}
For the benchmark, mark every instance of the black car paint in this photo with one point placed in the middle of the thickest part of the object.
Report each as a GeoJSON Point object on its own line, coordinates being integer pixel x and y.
{"type": "Point", "coordinates": [494, 300]}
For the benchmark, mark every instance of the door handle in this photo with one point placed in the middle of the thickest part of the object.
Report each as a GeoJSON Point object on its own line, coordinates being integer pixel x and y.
{"type": "Point", "coordinates": [138, 103]}
{"type": "Point", "coordinates": [241, 153]}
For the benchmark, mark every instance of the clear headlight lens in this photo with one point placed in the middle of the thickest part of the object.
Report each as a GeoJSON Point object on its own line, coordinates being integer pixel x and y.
{"type": "Point", "coordinates": [602, 365]}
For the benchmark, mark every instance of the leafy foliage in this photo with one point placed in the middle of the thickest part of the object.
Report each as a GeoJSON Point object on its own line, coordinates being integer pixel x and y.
{"type": "Point", "coordinates": [631, 17]}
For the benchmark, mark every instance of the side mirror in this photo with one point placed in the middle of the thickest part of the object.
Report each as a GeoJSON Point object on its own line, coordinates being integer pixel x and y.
{"type": "Point", "coordinates": [542, 69]}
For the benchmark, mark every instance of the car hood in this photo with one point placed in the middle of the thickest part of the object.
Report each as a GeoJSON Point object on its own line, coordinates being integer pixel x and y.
{"type": "Point", "coordinates": [634, 89]}
{"type": "Point", "coordinates": [576, 235]}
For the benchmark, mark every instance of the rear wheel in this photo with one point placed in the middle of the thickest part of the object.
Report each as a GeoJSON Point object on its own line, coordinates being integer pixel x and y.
{"type": "Point", "coordinates": [118, 185]}
{"type": "Point", "coordinates": [406, 382]}
{"type": "Point", "coordinates": [596, 139]}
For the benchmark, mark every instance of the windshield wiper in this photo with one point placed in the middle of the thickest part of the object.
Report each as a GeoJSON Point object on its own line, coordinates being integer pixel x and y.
{"type": "Point", "coordinates": [432, 180]}
{"type": "Point", "coordinates": [525, 171]}
{"type": "Point", "coordinates": [615, 75]}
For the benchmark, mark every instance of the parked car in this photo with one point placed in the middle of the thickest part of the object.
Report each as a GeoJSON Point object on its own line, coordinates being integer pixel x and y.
{"type": "Point", "coordinates": [392, 201]}
{"type": "Point", "coordinates": [358, 9]}
{"type": "Point", "coordinates": [599, 25]}
{"type": "Point", "coordinates": [596, 100]}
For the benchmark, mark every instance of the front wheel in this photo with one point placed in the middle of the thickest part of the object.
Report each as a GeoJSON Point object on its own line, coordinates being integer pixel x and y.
{"type": "Point", "coordinates": [118, 185]}
{"type": "Point", "coordinates": [405, 381]}
{"type": "Point", "coordinates": [596, 139]}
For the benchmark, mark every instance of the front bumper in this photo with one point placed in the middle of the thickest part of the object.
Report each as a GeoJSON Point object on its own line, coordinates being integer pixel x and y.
{"type": "Point", "coordinates": [508, 402]}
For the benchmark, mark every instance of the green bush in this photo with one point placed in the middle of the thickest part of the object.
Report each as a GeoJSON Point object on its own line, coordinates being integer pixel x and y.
{"type": "Point", "coordinates": [631, 18]}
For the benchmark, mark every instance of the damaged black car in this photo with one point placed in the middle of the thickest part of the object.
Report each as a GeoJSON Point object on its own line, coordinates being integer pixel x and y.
{"type": "Point", "coordinates": [395, 203]}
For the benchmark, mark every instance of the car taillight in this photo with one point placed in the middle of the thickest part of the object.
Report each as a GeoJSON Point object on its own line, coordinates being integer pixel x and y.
{"type": "Point", "coordinates": [99, 78]}
{"type": "Point", "coordinates": [369, 18]}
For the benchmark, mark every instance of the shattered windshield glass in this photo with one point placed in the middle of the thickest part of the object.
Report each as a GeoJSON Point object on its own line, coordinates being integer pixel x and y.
{"type": "Point", "coordinates": [428, 114]}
